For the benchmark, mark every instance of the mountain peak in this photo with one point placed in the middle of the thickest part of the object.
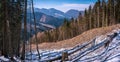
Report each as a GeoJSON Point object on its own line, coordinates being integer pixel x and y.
{"type": "Point", "coordinates": [72, 10]}
{"type": "Point", "coordinates": [52, 9]}
{"type": "Point", "coordinates": [72, 13]}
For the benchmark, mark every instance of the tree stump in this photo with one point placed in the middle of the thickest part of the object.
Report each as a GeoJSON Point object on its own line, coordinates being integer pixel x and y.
{"type": "Point", "coordinates": [93, 43]}
{"type": "Point", "coordinates": [64, 56]}
{"type": "Point", "coordinates": [110, 38]}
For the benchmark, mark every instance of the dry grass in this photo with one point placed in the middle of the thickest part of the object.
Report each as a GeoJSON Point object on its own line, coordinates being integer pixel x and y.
{"type": "Point", "coordinates": [84, 37]}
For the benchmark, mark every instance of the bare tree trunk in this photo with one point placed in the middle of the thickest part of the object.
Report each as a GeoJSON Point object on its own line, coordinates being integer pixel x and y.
{"type": "Point", "coordinates": [9, 39]}
{"type": "Point", "coordinates": [36, 40]}
{"type": "Point", "coordinates": [90, 21]}
{"type": "Point", "coordinates": [10, 53]}
{"type": "Point", "coordinates": [25, 31]}
{"type": "Point", "coordinates": [98, 17]}
{"type": "Point", "coordinates": [30, 31]}
{"type": "Point", "coordinates": [4, 52]}
{"type": "Point", "coordinates": [106, 19]}
{"type": "Point", "coordinates": [103, 17]}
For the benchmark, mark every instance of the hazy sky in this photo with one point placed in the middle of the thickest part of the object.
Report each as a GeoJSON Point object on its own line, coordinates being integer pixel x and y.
{"type": "Point", "coordinates": [64, 5]}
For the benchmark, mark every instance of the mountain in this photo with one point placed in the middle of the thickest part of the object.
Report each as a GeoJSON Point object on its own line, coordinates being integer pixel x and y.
{"type": "Point", "coordinates": [53, 12]}
{"type": "Point", "coordinates": [35, 9]}
{"type": "Point", "coordinates": [53, 16]}
{"type": "Point", "coordinates": [73, 13]}
{"type": "Point", "coordinates": [43, 22]}
{"type": "Point", "coordinates": [43, 18]}
{"type": "Point", "coordinates": [50, 17]}
{"type": "Point", "coordinates": [59, 14]}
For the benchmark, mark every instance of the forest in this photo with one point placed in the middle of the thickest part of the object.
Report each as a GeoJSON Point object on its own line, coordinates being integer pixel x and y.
{"type": "Point", "coordinates": [103, 13]}
{"type": "Point", "coordinates": [13, 13]}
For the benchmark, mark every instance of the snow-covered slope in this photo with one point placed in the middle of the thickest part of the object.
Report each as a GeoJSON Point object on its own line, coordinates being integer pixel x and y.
{"type": "Point", "coordinates": [100, 49]}
{"type": "Point", "coordinates": [93, 51]}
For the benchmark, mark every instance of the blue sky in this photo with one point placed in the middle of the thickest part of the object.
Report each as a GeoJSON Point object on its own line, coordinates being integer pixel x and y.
{"type": "Point", "coordinates": [64, 5]}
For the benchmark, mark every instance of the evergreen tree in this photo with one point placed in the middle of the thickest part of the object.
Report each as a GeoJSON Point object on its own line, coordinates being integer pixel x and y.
{"type": "Point", "coordinates": [103, 12]}
{"type": "Point", "coordinates": [117, 11]}
{"type": "Point", "coordinates": [90, 17]}
{"type": "Point", "coordinates": [98, 13]}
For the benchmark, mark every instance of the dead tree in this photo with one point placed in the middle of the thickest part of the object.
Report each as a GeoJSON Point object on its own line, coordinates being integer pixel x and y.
{"type": "Point", "coordinates": [30, 35]}
{"type": "Point", "coordinates": [36, 40]}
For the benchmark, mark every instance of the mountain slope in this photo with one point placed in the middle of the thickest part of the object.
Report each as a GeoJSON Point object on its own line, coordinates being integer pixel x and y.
{"type": "Point", "coordinates": [53, 12]}
{"type": "Point", "coordinates": [73, 13]}
{"type": "Point", "coordinates": [43, 18]}
{"type": "Point", "coordinates": [52, 16]}
{"type": "Point", "coordinates": [59, 14]}
{"type": "Point", "coordinates": [84, 37]}
{"type": "Point", "coordinates": [106, 49]}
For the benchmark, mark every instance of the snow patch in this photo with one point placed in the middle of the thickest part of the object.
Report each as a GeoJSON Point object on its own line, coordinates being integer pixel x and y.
{"type": "Point", "coordinates": [3, 58]}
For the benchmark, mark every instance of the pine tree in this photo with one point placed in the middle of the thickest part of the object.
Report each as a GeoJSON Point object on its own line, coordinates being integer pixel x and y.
{"type": "Point", "coordinates": [103, 12]}
{"type": "Point", "coordinates": [117, 11]}
{"type": "Point", "coordinates": [111, 12]}
{"type": "Point", "coordinates": [98, 13]}
{"type": "Point", "coordinates": [90, 17]}
{"type": "Point", "coordinates": [86, 19]}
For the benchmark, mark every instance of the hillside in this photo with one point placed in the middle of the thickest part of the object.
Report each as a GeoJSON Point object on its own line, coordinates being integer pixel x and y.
{"type": "Point", "coordinates": [47, 19]}
{"type": "Point", "coordinates": [84, 37]}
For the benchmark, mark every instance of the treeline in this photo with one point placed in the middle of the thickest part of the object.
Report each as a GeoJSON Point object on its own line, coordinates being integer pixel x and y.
{"type": "Point", "coordinates": [103, 13]}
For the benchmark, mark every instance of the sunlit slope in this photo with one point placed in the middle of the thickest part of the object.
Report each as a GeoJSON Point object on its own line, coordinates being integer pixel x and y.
{"type": "Point", "coordinates": [84, 37]}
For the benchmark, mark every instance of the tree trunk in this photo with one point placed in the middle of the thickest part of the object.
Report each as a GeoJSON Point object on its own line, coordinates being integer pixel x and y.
{"type": "Point", "coordinates": [98, 17]}
{"type": "Point", "coordinates": [103, 17]}
{"type": "Point", "coordinates": [36, 40]}
{"type": "Point", "coordinates": [25, 31]}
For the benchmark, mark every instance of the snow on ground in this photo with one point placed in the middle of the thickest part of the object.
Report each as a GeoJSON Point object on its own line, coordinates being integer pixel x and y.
{"type": "Point", "coordinates": [105, 53]}
{"type": "Point", "coordinates": [90, 53]}
{"type": "Point", "coordinates": [2, 58]}
{"type": "Point", "coordinates": [111, 53]}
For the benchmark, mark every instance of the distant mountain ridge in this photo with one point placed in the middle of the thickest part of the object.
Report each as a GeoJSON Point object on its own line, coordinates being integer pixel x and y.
{"type": "Point", "coordinates": [72, 13]}
{"type": "Point", "coordinates": [53, 12]}
{"type": "Point", "coordinates": [46, 19]}
{"type": "Point", "coordinates": [59, 14]}
{"type": "Point", "coordinates": [50, 17]}
{"type": "Point", "coordinates": [43, 22]}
